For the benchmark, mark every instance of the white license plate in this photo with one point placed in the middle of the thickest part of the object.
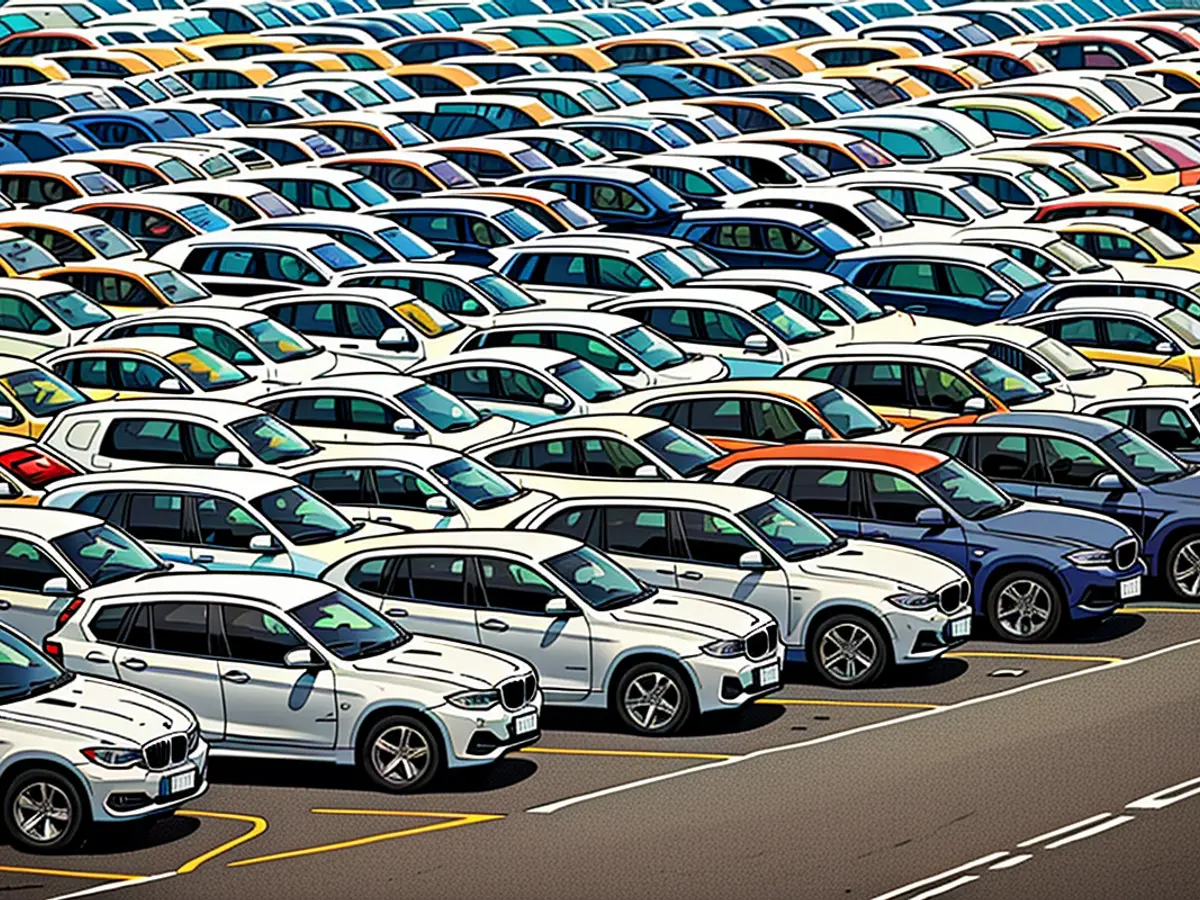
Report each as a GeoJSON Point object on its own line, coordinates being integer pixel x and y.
{"type": "Point", "coordinates": [176, 784]}
{"type": "Point", "coordinates": [1131, 587]}
{"type": "Point", "coordinates": [960, 628]}
{"type": "Point", "coordinates": [768, 675]}
{"type": "Point", "coordinates": [525, 724]}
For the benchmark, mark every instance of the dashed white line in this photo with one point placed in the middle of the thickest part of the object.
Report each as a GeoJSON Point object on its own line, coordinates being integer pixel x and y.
{"type": "Point", "coordinates": [1011, 863]}
{"type": "Point", "coordinates": [947, 888]}
{"type": "Point", "coordinates": [1066, 829]}
{"type": "Point", "coordinates": [1090, 832]}
{"type": "Point", "coordinates": [934, 879]}
{"type": "Point", "coordinates": [1164, 798]}
{"type": "Point", "coordinates": [114, 886]}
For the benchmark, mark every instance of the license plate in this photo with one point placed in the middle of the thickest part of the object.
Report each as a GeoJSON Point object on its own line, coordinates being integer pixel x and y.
{"type": "Point", "coordinates": [525, 724]}
{"type": "Point", "coordinates": [1131, 587]}
{"type": "Point", "coordinates": [960, 628]}
{"type": "Point", "coordinates": [768, 675]}
{"type": "Point", "coordinates": [177, 784]}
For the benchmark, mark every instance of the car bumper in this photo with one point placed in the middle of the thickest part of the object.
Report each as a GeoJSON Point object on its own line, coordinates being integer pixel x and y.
{"type": "Point", "coordinates": [477, 737]}
{"type": "Point", "coordinates": [733, 682]}
{"type": "Point", "coordinates": [923, 635]}
{"type": "Point", "coordinates": [126, 795]}
{"type": "Point", "coordinates": [1097, 592]}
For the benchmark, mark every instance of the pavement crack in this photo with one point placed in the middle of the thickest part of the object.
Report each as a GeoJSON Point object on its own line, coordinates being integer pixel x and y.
{"type": "Point", "coordinates": [931, 833]}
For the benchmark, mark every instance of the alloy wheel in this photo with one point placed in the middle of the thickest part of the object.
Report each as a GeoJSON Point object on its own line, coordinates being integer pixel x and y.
{"type": "Point", "coordinates": [1024, 608]}
{"type": "Point", "coordinates": [847, 650]}
{"type": "Point", "coordinates": [652, 700]}
{"type": "Point", "coordinates": [400, 755]}
{"type": "Point", "coordinates": [42, 811]}
{"type": "Point", "coordinates": [1185, 569]}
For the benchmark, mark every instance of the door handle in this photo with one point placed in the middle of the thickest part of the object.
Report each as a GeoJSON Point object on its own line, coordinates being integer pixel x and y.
{"type": "Point", "coordinates": [1055, 500]}
{"type": "Point", "coordinates": [494, 625]}
{"type": "Point", "coordinates": [397, 613]}
{"type": "Point", "coordinates": [875, 536]}
{"type": "Point", "coordinates": [4, 604]}
{"type": "Point", "coordinates": [204, 558]}
{"type": "Point", "coordinates": [236, 677]}
{"type": "Point", "coordinates": [347, 346]}
{"type": "Point", "coordinates": [384, 519]}
{"type": "Point", "coordinates": [96, 657]}
{"type": "Point", "coordinates": [692, 576]}
{"type": "Point", "coordinates": [665, 571]}
{"type": "Point", "coordinates": [135, 664]}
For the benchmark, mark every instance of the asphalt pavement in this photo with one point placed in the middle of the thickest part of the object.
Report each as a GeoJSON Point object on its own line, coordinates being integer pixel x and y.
{"type": "Point", "coordinates": [1067, 770]}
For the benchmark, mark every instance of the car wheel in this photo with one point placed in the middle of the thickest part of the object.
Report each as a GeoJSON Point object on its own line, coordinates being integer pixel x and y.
{"type": "Point", "coordinates": [1183, 568]}
{"type": "Point", "coordinates": [1024, 607]}
{"type": "Point", "coordinates": [44, 812]}
{"type": "Point", "coordinates": [654, 698]}
{"type": "Point", "coordinates": [401, 754]}
{"type": "Point", "coordinates": [849, 651]}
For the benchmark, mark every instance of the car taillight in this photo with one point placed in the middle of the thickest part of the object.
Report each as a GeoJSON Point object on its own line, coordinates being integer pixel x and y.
{"type": "Point", "coordinates": [53, 649]}
{"type": "Point", "coordinates": [34, 468]}
{"type": "Point", "coordinates": [65, 616]}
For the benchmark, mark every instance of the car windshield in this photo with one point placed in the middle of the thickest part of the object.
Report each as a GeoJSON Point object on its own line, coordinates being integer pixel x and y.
{"type": "Point", "coordinates": [273, 206]}
{"type": "Point", "coordinates": [854, 303]}
{"type": "Point", "coordinates": [1045, 188]}
{"type": "Point", "coordinates": [104, 554]}
{"type": "Point", "coordinates": [1020, 275]}
{"type": "Point", "coordinates": [834, 238]}
{"type": "Point", "coordinates": [338, 257]}
{"type": "Point", "coordinates": [449, 174]}
{"type": "Point", "coordinates": [967, 493]}
{"type": "Point", "coordinates": [575, 215]}
{"type": "Point", "coordinates": [443, 411]}
{"type": "Point", "coordinates": [683, 451]}
{"type": "Point", "coordinates": [654, 351]}
{"type": "Point", "coordinates": [587, 381]}
{"type": "Point", "coordinates": [76, 310]}
{"type": "Point", "coordinates": [278, 342]}
{"type": "Point", "coordinates": [732, 180]}
{"type": "Point", "coordinates": [1155, 162]}
{"type": "Point", "coordinates": [347, 628]}
{"type": "Point", "coordinates": [674, 269]}
{"type": "Point", "coordinates": [503, 292]}
{"type": "Point", "coordinates": [791, 533]}
{"type": "Point", "coordinates": [24, 671]}
{"type": "Point", "coordinates": [271, 440]}
{"type": "Point", "coordinates": [1072, 258]}
{"type": "Point", "coordinates": [41, 393]}
{"type": "Point", "coordinates": [882, 215]}
{"type": "Point", "coordinates": [1162, 243]}
{"type": "Point", "coordinates": [302, 516]}
{"type": "Point", "coordinates": [1067, 360]}
{"type": "Point", "coordinates": [522, 225]}
{"type": "Point", "coordinates": [1144, 460]}
{"type": "Point", "coordinates": [978, 200]}
{"type": "Point", "coordinates": [847, 414]}
{"type": "Point", "coordinates": [479, 485]}
{"type": "Point", "coordinates": [869, 155]}
{"type": "Point", "coordinates": [178, 288]}
{"type": "Point", "coordinates": [787, 324]}
{"type": "Point", "coordinates": [407, 244]}
{"type": "Point", "coordinates": [23, 255]}
{"type": "Point", "coordinates": [107, 241]}
{"type": "Point", "coordinates": [597, 580]}
{"type": "Point", "coordinates": [1087, 176]}
{"type": "Point", "coordinates": [659, 194]}
{"type": "Point", "coordinates": [1005, 383]}
{"type": "Point", "coordinates": [368, 192]}
{"type": "Point", "coordinates": [205, 217]}
{"type": "Point", "coordinates": [1182, 326]}
{"type": "Point", "coordinates": [207, 370]}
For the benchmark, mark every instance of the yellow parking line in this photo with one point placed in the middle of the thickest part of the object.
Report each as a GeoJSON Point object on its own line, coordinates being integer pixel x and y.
{"type": "Point", "coordinates": [648, 754]}
{"type": "Point", "coordinates": [1058, 657]}
{"type": "Point", "coordinates": [453, 820]}
{"type": "Point", "coordinates": [1133, 610]}
{"type": "Point", "coordinates": [868, 704]}
{"type": "Point", "coordinates": [257, 826]}
{"type": "Point", "coordinates": [67, 873]}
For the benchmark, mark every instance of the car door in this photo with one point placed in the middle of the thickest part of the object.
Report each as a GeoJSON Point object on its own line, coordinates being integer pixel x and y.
{"type": "Point", "coordinates": [361, 330]}
{"type": "Point", "coordinates": [1073, 469]}
{"type": "Point", "coordinates": [267, 703]}
{"type": "Point", "coordinates": [941, 393]}
{"type": "Point", "coordinates": [513, 619]}
{"type": "Point", "coordinates": [713, 547]}
{"type": "Point", "coordinates": [316, 320]}
{"type": "Point", "coordinates": [428, 594]}
{"type": "Point", "coordinates": [404, 496]}
{"type": "Point", "coordinates": [830, 493]}
{"type": "Point", "coordinates": [910, 285]}
{"type": "Point", "coordinates": [640, 538]}
{"type": "Point", "coordinates": [224, 532]}
{"type": "Point", "coordinates": [1011, 461]}
{"type": "Point", "coordinates": [320, 418]}
{"type": "Point", "coordinates": [166, 649]}
{"type": "Point", "coordinates": [747, 348]}
{"type": "Point", "coordinates": [1127, 340]}
{"type": "Point", "coordinates": [884, 386]}
{"type": "Point", "coordinates": [894, 501]}
{"type": "Point", "coordinates": [27, 569]}
{"type": "Point", "coordinates": [160, 519]}
{"type": "Point", "coordinates": [346, 487]}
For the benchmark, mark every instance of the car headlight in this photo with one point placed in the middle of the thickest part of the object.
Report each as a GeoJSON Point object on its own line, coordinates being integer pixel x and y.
{"type": "Point", "coordinates": [193, 739]}
{"type": "Point", "coordinates": [913, 600]}
{"type": "Point", "coordinates": [725, 648]}
{"type": "Point", "coordinates": [1090, 559]}
{"type": "Point", "coordinates": [114, 757]}
{"type": "Point", "coordinates": [475, 699]}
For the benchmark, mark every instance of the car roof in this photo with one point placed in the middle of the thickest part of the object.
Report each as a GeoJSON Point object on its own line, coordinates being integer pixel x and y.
{"type": "Point", "coordinates": [629, 426]}
{"type": "Point", "coordinates": [158, 201]}
{"type": "Point", "coordinates": [1036, 235]}
{"type": "Point", "coordinates": [946, 252]}
{"type": "Point", "coordinates": [698, 292]}
{"type": "Point", "coordinates": [1124, 224]}
{"type": "Point", "coordinates": [281, 591]}
{"type": "Point", "coordinates": [916, 460]}
{"type": "Point", "coordinates": [1140, 305]}
{"type": "Point", "coordinates": [541, 358]}
{"type": "Point", "coordinates": [215, 411]}
{"type": "Point", "coordinates": [908, 178]}
{"type": "Point", "coordinates": [158, 345]}
{"type": "Point", "coordinates": [1180, 393]}
{"type": "Point", "coordinates": [956, 356]}
{"type": "Point", "coordinates": [816, 281]}
{"type": "Point", "coordinates": [726, 496]}
{"type": "Point", "coordinates": [1090, 427]}
{"type": "Point", "coordinates": [47, 524]}
{"type": "Point", "coordinates": [798, 217]}
{"type": "Point", "coordinates": [380, 384]}
{"type": "Point", "coordinates": [421, 455]}
{"type": "Point", "coordinates": [447, 202]}
{"type": "Point", "coordinates": [787, 387]}
{"type": "Point", "coordinates": [34, 287]}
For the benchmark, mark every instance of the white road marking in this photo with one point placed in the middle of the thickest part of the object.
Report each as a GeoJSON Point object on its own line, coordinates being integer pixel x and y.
{"type": "Point", "coordinates": [1091, 832]}
{"type": "Point", "coordinates": [1164, 798]}
{"type": "Point", "coordinates": [1011, 863]}
{"type": "Point", "coordinates": [947, 888]}
{"type": "Point", "coordinates": [1066, 829]}
{"type": "Point", "coordinates": [863, 729]}
{"type": "Point", "coordinates": [942, 876]}
{"type": "Point", "coordinates": [114, 886]}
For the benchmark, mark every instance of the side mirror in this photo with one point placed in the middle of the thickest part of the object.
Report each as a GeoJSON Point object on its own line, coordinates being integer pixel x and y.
{"type": "Point", "coordinates": [301, 658]}
{"type": "Point", "coordinates": [647, 471]}
{"type": "Point", "coordinates": [264, 543]}
{"type": "Point", "coordinates": [172, 386]}
{"type": "Point", "coordinates": [558, 606]}
{"type": "Point", "coordinates": [1166, 348]}
{"type": "Point", "coordinates": [1110, 482]}
{"type": "Point", "coordinates": [1043, 377]}
{"type": "Point", "coordinates": [440, 503]}
{"type": "Point", "coordinates": [974, 404]}
{"type": "Point", "coordinates": [230, 459]}
{"type": "Point", "coordinates": [406, 425]}
{"type": "Point", "coordinates": [7, 413]}
{"type": "Point", "coordinates": [997, 298]}
{"type": "Point", "coordinates": [58, 587]}
{"type": "Point", "coordinates": [395, 338]}
{"type": "Point", "coordinates": [556, 402]}
{"type": "Point", "coordinates": [814, 434]}
{"type": "Point", "coordinates": [756, 343]}
{"type": "Point", "coordinates": [752, 559]}
{"type": "Point", "coordinates": [932, 517]}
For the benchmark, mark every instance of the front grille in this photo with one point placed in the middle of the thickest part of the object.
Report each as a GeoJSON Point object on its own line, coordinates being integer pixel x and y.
{"type": "Point", "coordinates": [165, 752]}
{"type": "Point", "coordinates": [1125, 554]}
{"type": "Point", "coordinates": [953, 597]}
{"type": "Point", "coordinates": [762, 643]}
{"type": "Point", "coordinates": [518, 692]}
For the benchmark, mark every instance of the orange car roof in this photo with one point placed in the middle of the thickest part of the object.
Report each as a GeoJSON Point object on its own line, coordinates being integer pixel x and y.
{"type": "Point", "coordinates": [911, 459]}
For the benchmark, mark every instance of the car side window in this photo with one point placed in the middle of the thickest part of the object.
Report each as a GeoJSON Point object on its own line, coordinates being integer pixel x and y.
{"type": "Point", "coordinates": [308, 318]}
{"type": "Point", "coordinates": [370, 415]}
{"type": "Point", "coordinates": [967, 282]}
{"type": "Point", "coordinates": [778, 422]}
{"type": "Point", "coordinates": [315, 412]}
{"type": "Point", "coordinates": [723, 329]}
{"type": "Point", "coordinates": [1123, 415]}
{"type": "Point", "coordinates": [24, 567]}
{"type": "Point", "coordinates": [620, 275]}
{"type": "Point", "coordinates": [610, 458]}
{"type": "Point", "coordinates": [255, 636]}
{"type": "Point", "coordinates": [640, 532]}
{"type": "Point", "coordinates": [338, 486]}
{"type": "Point", "coordinates": [1007, 457]}
{"type": "Point", "coordinates": [821, 491]}
{"type": "Point", "coordinates": [896, 499]}
{"type": "Point", "coordinates": [1170, 428]}
{"type": "Point", "coordinates": [1077, 332]}
{"type": "Point", "coordinates": [554, 456]}
{"type": "Point", "coordinates": [913, 277]}
{"type": "Point", "coordinates": [713, 540]}
{"type": "Point", "coordinates": [401, 489]}
{"type": "Point", "coordinates": [879, 384]}
{"type": "Point", "coordinates": [594, 351]}
{"type": "Point", "coordinates": [22, 316]}
{"type": "Point", "coordinates": [939, 389]}
{"type": "Point", "coordinates": [181, 628]}
{"type": "Point", "coordinates": [1071, 464]}
{"type": "Point", "coordinates": [135, 375]}
{"type": "Point", "coordinates": [364, 321]}
{"type": "Point", "coordinates": [512, 587]}
{"type": "Point", "coordinates": [577, 523]}
{"type": "Point", "coordinates": [520, 387]}
{"type": "Point", "coordinates": [431, 579]}
{"type": "Point", "coordinates": [372, 576]}
{"type": "Point", "coordinates": [156, 517]}
{"type": "Point", "coordinates": [226, 525]}
{"type": "Point", "coordinates": [145, 440]}
{"type": "Point", "coordinates": [1125, 334]}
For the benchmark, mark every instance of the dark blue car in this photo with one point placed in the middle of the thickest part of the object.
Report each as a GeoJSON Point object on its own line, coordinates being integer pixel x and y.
{"type": "Point", "coordinates": [1093, 464]}
{"type": "Point", "coordinates": [774, 237]}
{"type": "Point", "coordinates": [663, 82]}
{"type": "Point", "coordinates": [1032, 566]}
{"type": "Point", "coordinates": [120, 128]}
{"type": "Point", "coordinates": [622, 199]}
{"type": "Point", "coordinates": [40, 141]}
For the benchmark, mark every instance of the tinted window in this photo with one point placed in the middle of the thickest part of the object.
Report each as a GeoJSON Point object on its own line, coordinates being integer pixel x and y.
{"type": "Point", "coordinates": [24, 567]}
{"type": "Point", "coordinates": [896, 499]}
{"type": "Point", "coordinates": [181, 628]}
{"type": "Point", "coordinates": [432, 579]}
{"type": "Point", "coordinates": [1071, 464]}
{"type": "Point", "coordinates": [714, 540]}
{"type": "Point", "coordinates": [514, 587]}
{"type": "Point", "coordinates": [1006, 457]}
{"type": "Point", "coordinates": [225, 525]}
{"type": "Point", "coordinates": [576, 523]}
{"type": "Point", "coordinates": [156, 517]}
{"type": "Point", "coordinates": [820, 491]}
{"type": "Point", "coordinates": [255, 636]}
{"type": "Point", "coordinates": [641, 532]}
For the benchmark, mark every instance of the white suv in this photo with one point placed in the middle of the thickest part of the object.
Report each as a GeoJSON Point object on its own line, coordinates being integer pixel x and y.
{"type": "Point", "coordinates": [77, 752]}
{"type": "Point", "coordinates": [598, 636]}
{"type": "Point", "coordinates": [290, 668]}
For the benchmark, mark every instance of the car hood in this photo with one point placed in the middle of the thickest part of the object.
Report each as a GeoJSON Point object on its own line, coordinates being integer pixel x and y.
{"type": "Point", "coordinates": [1049, 524]}
{"type": "Point", "coordinates": [443, 666]}
{"type": "Point", "coordinates": [1150, 376]}
{"type": "Point", "coordinates": [1187, 487]}
{"type": "Point", "coordinates": [885, 567]}
{"type": "Point", "coordinates": [703, 619]}
{"type": "Point", "coordinates": [340, 364]}
{"type": "Point", "coordinates": [1052, 402]}
{"type": "Point", "coordinates": [695, 370]}
{"type": "Point", "coordinates": [368, 536]}
{"type": "Point", "coordinates": [506, 513]}
{"type": "Point", "coordinates": [94, 710]}
{"type": "Point", "coordinates": [494, 426]}
{"type": "Point", "coordinates": [1113, 383]}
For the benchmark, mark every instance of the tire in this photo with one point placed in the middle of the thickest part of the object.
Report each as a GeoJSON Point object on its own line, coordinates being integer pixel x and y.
{"type": "Point", "coordinates": [1024, 607]}
{"type": "Point", "coordinates": [849, 651]}
{"type": "Point", "coordinates": [1182, 569]}
{"type": "Point", "coordinates": [28, 799]}
{"type": "Point", "coordinates": [401, 754]}
{"type": "Point", "coordinates": [653, 698]}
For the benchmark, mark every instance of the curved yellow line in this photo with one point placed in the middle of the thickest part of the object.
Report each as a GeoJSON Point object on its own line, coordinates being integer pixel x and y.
{"type": "Point", "coordinates": [68, 873]}
{"type": "Point", "coordinates": [257, 826]}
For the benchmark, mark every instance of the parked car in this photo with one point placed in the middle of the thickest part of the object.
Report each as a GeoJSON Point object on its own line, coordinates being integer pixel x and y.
{"type": "Point", "coordinates": [1166, 415]}
{"type": "Point", "coordinates": [778, 238]}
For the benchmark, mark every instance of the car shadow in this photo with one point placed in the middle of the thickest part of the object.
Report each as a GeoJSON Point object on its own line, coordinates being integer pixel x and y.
{"type": "Point", "coordinates": [1090, 631]}
{"type": "Point", "coordinates": [290, 774]}
{"type": "Point", "coordinates": [940, 671]}
{"type": "Point", "coordinates": [131, 837]}
{"type": "Point", "coordinates": [747, 718]}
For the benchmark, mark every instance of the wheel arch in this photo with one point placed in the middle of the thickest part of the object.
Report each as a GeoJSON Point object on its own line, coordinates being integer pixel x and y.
{"type": "Point", "coordinates": [631, 658]}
